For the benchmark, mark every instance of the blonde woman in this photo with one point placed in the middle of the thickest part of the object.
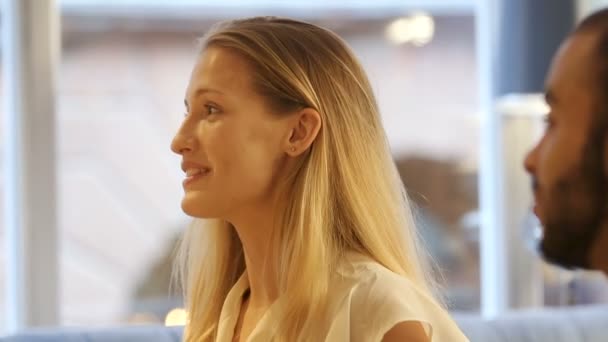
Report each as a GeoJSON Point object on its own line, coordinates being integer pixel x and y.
{"type": "Point", "coordinates": [308, 233]}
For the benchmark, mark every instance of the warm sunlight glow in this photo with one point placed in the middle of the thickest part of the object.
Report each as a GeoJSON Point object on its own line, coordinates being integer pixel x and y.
{"type": "Point", "coordinates": [176, 317]}
{"type": "Point", "coordinates": [417, 29]}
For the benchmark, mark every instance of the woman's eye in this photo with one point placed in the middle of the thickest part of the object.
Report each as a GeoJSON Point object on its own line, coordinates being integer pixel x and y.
{"type": "Point", "coordinates": [209, 109]}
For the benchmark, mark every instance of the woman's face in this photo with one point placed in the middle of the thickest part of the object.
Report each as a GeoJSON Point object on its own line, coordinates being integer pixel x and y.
{"type": "Point", "coordinates": [232, 146]}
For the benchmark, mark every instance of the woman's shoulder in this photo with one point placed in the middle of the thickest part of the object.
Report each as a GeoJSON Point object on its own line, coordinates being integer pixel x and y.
{"type": "Point", "coordinates": [377, 299]}
{"type": "Point", "coordinates": [373, 285]}
{"type": "Point", "coordinates": [367, 274]}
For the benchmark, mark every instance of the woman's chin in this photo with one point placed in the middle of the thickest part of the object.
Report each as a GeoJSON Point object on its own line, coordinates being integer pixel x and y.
{"type": "Point", "coordinates": [198, 209]}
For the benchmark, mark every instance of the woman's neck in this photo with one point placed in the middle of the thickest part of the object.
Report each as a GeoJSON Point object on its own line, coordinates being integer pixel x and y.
{"type": "Point", "coordinates": [255, 232]}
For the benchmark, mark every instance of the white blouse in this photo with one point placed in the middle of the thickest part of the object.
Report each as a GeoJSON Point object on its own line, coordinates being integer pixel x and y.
{"type": "Point", "coordinates": [367, 301]}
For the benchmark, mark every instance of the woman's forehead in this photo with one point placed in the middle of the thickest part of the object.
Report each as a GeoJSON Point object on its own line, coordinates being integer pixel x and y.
{"type": "Point", "coordinates": [220, 71]}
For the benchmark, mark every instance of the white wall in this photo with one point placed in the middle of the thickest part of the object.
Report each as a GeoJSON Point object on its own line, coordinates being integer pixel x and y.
{"type": "Point", "coordinates": [585, 7]}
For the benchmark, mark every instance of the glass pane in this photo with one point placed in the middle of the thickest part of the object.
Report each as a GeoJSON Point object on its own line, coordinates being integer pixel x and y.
{"type": "Point", "coordinates": [2, 226]}
{"type": "Point", "coordinates": [121, 100]}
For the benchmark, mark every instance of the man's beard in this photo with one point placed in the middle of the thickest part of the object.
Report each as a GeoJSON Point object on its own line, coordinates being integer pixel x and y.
{"type": "Point", "coordinates": [570, 233]}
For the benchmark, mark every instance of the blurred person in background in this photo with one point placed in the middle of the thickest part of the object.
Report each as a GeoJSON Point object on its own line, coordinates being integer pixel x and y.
{"type": "Point", "coordinates": [309, 233]}
{"type": "Point", "coordinates": [569, 165]}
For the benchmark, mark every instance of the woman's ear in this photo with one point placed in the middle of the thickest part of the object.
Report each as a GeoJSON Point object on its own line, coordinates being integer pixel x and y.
{"type": "Point", "coordinates": [305, 126]}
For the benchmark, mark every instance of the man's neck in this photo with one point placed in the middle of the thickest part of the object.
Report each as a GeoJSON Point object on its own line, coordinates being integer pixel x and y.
{"type": "Point", "coordinates": [598, 256]}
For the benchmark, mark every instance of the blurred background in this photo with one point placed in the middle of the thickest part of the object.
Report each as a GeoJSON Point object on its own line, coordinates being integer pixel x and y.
{"type": "Point", "coordinates": [458, 86]}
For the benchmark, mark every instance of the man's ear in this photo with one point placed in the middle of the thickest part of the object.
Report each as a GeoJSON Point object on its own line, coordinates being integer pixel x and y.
{"type": "Point", "coordinates": [304, 128]}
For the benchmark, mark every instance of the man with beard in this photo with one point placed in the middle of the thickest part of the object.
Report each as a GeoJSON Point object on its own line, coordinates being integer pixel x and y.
{"type": "Point", "coordinates": [569, 166]}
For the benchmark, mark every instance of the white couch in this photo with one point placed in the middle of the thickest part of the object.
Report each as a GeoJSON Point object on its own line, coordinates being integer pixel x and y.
{"type": "Point", "coordinates": [579, 324]}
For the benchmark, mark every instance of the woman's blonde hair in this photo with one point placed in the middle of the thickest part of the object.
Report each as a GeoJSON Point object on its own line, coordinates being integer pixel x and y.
{"type": "Point", "coordinates": [345, 195]}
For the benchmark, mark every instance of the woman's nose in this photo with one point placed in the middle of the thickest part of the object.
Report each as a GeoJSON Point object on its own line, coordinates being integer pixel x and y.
{"type": "Point", "coordinates": [182, 142]}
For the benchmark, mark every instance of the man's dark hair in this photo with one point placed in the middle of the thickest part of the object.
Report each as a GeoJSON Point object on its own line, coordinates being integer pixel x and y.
{"type": "Point", "coordinates": [597, 23]}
